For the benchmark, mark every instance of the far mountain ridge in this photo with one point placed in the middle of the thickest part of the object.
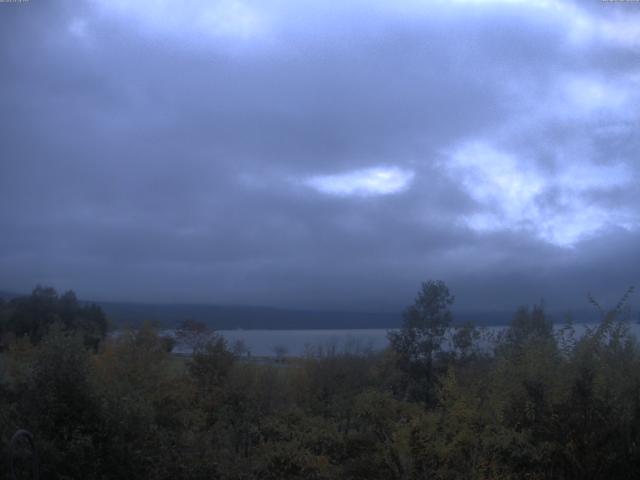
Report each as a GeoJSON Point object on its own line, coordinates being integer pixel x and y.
{"type": "Point", "coordinates": [229, 317]}
{"type": "Point", "coordinates": [251, 317]}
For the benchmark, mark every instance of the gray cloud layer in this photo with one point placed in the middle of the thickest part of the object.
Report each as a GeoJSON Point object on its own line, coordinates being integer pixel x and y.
{"type": "Point", "coordinates": [168, 150]}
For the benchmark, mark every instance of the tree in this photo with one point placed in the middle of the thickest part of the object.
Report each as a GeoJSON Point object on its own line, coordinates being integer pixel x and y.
{"type": "Point", "coordinates": [33, 316]}
{"type": "Point", "coordinates": [61, 406]}
{"type": "Point", "coordinates": [280, 351]}
{"type": "Point", "coordinates": [210, 365]}
{"type": "Point", "coordinates": [193, 335]}
{"type": "Point", "coordinates": [463, 341]}
{"type": "Point", "coordinates": [528, 326]}
{"type": "Point", "coordinates": [419, 342]}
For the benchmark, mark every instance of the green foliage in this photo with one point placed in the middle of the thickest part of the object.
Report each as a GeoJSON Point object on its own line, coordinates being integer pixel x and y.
{"type": "Point", "coordinates": [34, 315]}
{"type": "Point", "coordinates": [210, 366]}
{"type": "Point", "coordinates": [60, 406]}
{"type": "Point", "coordinates": [528, 326]}
{"type": "Point", "coordinates": [418, 344]}
{"type": "Point", "coordinates": [440, 403]}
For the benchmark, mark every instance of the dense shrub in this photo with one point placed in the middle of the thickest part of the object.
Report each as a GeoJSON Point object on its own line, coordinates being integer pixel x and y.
{"type": "Point", "coordinates": [441, 402]}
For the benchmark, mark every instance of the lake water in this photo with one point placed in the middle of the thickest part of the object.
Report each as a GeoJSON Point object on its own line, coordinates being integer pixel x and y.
{"type": "Point", "coordinates": [297, 342]}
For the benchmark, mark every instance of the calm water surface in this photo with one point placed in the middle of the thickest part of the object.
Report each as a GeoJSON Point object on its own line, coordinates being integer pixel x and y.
{"type": "Point", "coordinates": [297, 342]}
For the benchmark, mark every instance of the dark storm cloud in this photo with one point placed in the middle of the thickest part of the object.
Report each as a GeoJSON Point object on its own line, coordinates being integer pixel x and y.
{"type": "Point", "coordinates": [209, 151]}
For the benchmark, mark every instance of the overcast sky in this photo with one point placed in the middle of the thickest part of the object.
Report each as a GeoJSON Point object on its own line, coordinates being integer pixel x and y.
{"type": "Point", "coordinates": [321, 154]}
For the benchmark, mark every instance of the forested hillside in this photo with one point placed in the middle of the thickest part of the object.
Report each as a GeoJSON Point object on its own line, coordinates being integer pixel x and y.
{"type": "Point", "coordinates": [525, 404]}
